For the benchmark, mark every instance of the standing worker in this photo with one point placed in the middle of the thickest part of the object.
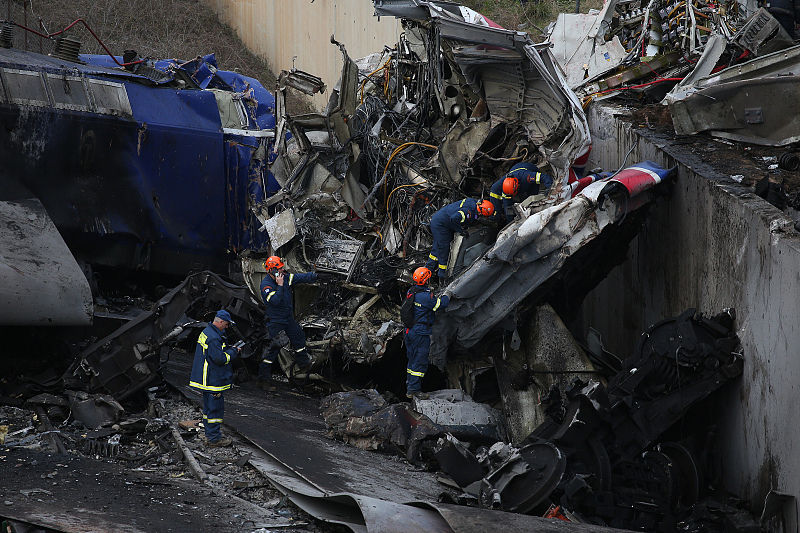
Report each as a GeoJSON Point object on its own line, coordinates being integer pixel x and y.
{"type": "Point", "coordinates": [523, 180]}
{"type": "Point", "coordinates": [418, 334]}
{"type": "Point", "coordinates": [449, 220]}
{"type": "Point", "coordinates": [276, 291]}
{"type": "Point", "coordinates": [212, 374]}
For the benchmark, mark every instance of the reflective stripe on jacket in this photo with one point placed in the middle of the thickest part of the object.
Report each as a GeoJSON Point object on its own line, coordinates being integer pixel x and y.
{"type": "Point", "coordinates": [456, 217]}
{"type": "Point", "coordinates": [211, 368]}
{"type": "Point", "coordinates": [279, 299]}
{"type": "Point", "coordinates": [530, 182]}
{"type": "Point", "coordinates": [425, 305]}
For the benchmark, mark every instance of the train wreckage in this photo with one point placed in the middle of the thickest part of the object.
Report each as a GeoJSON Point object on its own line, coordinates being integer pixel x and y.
{"type": "Point", "coordinates": [525, 419]}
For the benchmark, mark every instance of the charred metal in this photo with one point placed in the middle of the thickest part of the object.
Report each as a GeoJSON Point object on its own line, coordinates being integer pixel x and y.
{"type": "Point", "coordinates": [156, 189]}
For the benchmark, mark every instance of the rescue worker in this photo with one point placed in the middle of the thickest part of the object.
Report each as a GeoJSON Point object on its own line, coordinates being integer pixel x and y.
{"type": "Point", "coordinates": [496, 196]}
{"type": "Point", "coordinates": [449, 220]}
{"type": "Point", "coordinates": [523, 180]}
{"type": "Point", "coordinates": [212, 374]}
{"type": "Point", "coordinates": [418, 336]}
{"type": "Point", "coordinates": [276, 291]}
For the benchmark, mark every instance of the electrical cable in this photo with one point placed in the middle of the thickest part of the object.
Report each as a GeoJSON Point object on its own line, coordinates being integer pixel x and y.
{"type": "Point", "coordinates": [86, 25]}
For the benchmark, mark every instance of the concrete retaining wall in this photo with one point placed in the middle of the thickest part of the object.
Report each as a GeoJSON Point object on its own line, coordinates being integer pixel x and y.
{"type": "Point", "coordinates": [713, 245]}
{"type": "Point", "coordinates": [279, 30]}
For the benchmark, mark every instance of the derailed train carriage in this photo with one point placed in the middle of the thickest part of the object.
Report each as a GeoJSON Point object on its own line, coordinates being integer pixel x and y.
{"type": "Point", "coordinates": [132, 164]}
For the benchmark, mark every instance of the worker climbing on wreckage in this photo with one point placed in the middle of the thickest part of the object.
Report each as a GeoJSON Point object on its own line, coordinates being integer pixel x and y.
{"type": "Point", "coordinates": [449, 220]}
{"type": "Point", "coordinates": [276, 292]}
{"type": "Point", "coordinates": [418, 328]}
{"type": "Point", "coordinates": [212, 373]}
{"type": "Point", "coordinates": [521, 181]}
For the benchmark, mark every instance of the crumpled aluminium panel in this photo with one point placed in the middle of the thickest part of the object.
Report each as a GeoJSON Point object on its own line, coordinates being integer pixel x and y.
{"type": "Point", "coordinates": [527, 253]}
{"type": "Point", "coordinates": [580, 47]}
{"type": "Point", "coordinates": [726, 104]}
{"type": "Point", "coordinates": [542, 101]}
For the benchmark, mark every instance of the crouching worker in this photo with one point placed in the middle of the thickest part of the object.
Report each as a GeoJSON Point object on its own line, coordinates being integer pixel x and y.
{"type": "Point", "coordinates": [523, 180]}
{"type": "Point", "coordinates": [449, 220]}
{"type": "Point", "coordinates": [212, 374]}
{"type": "Point", "coordinates": [276, 291]}
{"type": "Point", "coordinates": [419, 321]}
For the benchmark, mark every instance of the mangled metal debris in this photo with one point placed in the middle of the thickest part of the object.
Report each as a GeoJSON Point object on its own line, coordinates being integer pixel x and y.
{"type": "Point", "coordinates": [606, 454]}
{"type": "Point", "coordinates": [725, 67]}
{"type": "Point", "coordinates": [129, 359]}
{"type": "Point", "coordinates": [724, 103]}
{"type": "Point", "coordinates": [364, 419]}
{"type": "Point", "coordinates": [532, 249]}
{"type": "Point", "coordinates": [407, 131]}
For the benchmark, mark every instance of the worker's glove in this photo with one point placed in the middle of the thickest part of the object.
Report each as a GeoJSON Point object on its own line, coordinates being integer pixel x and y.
{"type": "Point", "coordinates": [547, 182]}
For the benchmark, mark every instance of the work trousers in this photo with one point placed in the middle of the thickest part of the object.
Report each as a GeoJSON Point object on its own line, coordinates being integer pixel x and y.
{"type": "Point", "coordinates": [440, 252]}
{"type": "Point", "coordinates": [213, 411]}
{"type": "Point", "coordinates": [417, 349]}
{"type": "Point", "coordinates": [297, 339]}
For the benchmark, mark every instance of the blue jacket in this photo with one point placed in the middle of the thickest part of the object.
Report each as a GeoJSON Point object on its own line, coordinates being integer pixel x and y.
{"type": "Point", "coordinates": [211, 369]}
{"type": "Point", "coordinates": [530, 181]}
{"type": "Point", "coordinates": [425, 305]}
{"type": "Point", "coordinates": [498, 198]}
{"type": "Point", "coordinates": [279, 299]}
{"type": "Point", "coordinates": [457, 216]}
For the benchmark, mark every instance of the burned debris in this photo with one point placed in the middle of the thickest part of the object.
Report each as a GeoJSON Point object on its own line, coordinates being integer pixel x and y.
{"type": "Point", "coordinates": [703, 59]}
{"type": "Point", "coordinates": [97, 475]}
{"type": "Point", "coordinates": [631, 453]}
{"type": "Point", "coordinates": [526, 419]}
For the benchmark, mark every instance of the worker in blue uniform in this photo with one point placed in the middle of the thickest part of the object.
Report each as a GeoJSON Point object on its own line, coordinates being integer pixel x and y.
{"type": "Point", "coordinates": [523, 180]}
{"type": "Point", "coordinates": [449, 220]}
{"type": "Point", "coordinates": [418, 336]}
{"type": "Point", "coordinates": [212, 374]}
{"type": "Point", "coordinates": [496, 196]}
{"type": "Point", "coordinates": [276, 292]}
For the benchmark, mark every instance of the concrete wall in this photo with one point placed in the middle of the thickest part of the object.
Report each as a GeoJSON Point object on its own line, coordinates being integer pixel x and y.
{"type": "Point", "coordinates": [279, 30]}
{"type": "Point", "coordinates": [712, 245]}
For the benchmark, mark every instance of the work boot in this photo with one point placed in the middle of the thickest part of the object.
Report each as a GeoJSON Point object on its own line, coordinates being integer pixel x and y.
{"type": "Point", "coordinates": [221, 443]}
{"type": "Point", "coordinates": [419, 395]}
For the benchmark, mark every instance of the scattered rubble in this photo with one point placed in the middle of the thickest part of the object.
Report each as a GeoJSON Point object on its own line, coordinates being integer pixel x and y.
{"type": "Point", "coordinates": [557, 429]}
{"type": "Point", "coordinates": [134, 463]}
{"type": "Point", "coordinates": [604, 455]}
{"type": "Point", "coordinates": [705, 60]}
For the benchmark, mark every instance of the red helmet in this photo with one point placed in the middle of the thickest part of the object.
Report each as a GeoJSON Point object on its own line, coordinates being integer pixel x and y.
{"type": "Point", "coordinates": [485, 208]}
{"type": "Point", "coordinates": [510, 185]}
{"type": "Point", "coordinates": [273, 262]}
{"type": "Point", "coordinates": [422, 275]}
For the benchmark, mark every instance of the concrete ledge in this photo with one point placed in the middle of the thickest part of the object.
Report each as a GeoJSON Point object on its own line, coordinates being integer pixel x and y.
{"type": "Point", "coordinates": [713, 244]}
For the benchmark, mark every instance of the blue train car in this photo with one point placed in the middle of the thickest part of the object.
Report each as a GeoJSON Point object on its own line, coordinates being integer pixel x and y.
{"type": "Point", "coordinates": [152, 167]}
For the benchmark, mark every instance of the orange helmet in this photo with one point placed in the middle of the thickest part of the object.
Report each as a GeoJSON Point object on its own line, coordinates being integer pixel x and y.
{"type": "Point", "coordinates": [422, 275]}
{"type": "Point", "coordinates": [485, 208]}
{"type": "Point", "coordinates": [510, 185]}
{"type": "Point", "coordinates": [273, 262]}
